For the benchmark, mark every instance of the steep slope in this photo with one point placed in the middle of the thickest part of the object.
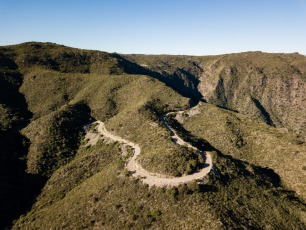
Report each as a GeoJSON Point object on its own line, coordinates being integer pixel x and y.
{"type": "Point", "coordinates": [18, 189]}
{"type": "Point", "coordinates": [267, 87]}
{"type": "Point", "coordinates": [179, 72]}
{"type": "Point", "coordinates": [51, 91]}
{"type": "Point", "coordinates": [243, 138]}
{"type": "Point", "coordinates": [93, 191]}
{"type": "Point", "coordinates": [62, 97]}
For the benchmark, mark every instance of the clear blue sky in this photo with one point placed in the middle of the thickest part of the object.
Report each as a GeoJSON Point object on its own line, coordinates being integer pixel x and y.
{"type": "Point", "coordinates": [194, 27]}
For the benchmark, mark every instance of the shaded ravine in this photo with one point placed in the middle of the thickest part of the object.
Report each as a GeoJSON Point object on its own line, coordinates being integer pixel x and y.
{"type": "Point", "coordinates": [157, 179]}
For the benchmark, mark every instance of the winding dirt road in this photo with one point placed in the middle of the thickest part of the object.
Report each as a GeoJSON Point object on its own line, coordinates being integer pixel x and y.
{"type": "Point", "coordinates": [157, 179]}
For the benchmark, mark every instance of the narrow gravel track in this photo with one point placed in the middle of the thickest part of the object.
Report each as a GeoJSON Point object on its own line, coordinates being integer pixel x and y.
{"type": "Point", "coordinates": [157, 179]}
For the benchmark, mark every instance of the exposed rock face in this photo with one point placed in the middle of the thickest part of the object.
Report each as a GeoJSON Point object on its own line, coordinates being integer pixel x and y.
{"type": "Point", "coordinates": [267, 87]}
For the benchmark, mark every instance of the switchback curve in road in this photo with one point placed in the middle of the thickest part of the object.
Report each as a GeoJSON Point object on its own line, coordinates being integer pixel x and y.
{"type": "Point", "coordinates": [153, 178]}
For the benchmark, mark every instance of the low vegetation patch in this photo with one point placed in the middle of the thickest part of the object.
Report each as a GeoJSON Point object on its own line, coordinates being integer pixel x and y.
{"type": "Point", "coordinates": [55, 138]}
{"type": "Point", "coordinates": [175, 161]}
{"type": "Point", "coordinates": [255, 142]}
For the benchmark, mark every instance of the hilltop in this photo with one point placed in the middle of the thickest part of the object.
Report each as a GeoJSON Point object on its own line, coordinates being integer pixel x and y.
{"type": "Point", "coordinates": [247, 110]}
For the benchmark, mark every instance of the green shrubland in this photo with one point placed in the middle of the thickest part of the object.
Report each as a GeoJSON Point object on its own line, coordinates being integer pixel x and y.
{"type": "Point", "coordinates": [252, 141]}
{"type": "Point", "coordinates": [48, 92]}
{"type": "Point", "coordinates": [55, 138]}
{"type": "Point", "coordinates": [92, 191]}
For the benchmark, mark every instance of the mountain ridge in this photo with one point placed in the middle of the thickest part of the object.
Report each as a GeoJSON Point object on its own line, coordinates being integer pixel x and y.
{"type": "Point", "coordinates": [48, 92]}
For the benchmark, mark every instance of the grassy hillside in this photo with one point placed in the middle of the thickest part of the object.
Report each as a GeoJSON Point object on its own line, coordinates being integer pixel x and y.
{"type": "Point", "coordinates": [266, 87]}
{"type": "Point", "coordinates": [92, 191]}
{"type": "Point", "coordinates": [48, 92]}
{"type": "Point", "coordinates": [255, 142]}
{"type": "Point", "coordinates": [55, 138]}
{"type": "Point", "coordinates": [60, 98]}
{"type": "Point", "coordinates": [160, 155]}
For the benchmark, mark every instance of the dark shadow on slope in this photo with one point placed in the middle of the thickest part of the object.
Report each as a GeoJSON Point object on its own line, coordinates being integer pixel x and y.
{"type": "Point", "coordinates": [219, 97]}
{"type": "Point", "coordinates": [267, 176]}
{"type": "Point", "coordinates": [18, 189]}
{"type": "Point", "coordinates": [13, 100]}
{"type": "Point", "coordinates": [233, 184]}
{"type": "Point", "coordinates": [10, 97]}
{"type": "Point", "coordinates": [267, 173]}
{"type": "Point", "coordinates": [226, 108]}
{"type": "Point", "coordinates": [242, 192]}
{"type": "Point", "coordinates": [263, 112]}
{"type": "Point", "coordinates": [186, 136]}
{"type": "Point", "coordinates": [184, 82]}
{"type": "Point", "coordinates": [181, 81]}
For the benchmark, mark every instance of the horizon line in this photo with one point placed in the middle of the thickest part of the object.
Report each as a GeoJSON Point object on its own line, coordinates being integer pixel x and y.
{"type": "Point", "coordinates": [160, 54]}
